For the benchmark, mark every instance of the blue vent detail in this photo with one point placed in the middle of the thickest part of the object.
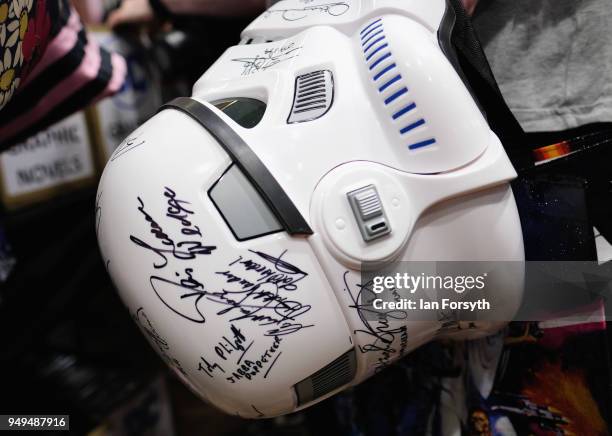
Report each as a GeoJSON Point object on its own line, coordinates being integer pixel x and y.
{"type": "Point", "coordinates": [390, 82]}
{"type": "Point", "coordinates": [370, 26]}
{"type": "Point", "coordinates": [412, 126]}
{"type": "Point", "coordinates": [422, 144]}
{"type": "Point", "coordinates": [371, 37]}
{"type": "Point", "coordinates": [365, 50]}
{"type": "Point", "coordinates": [369, 32]}
{"type": "Point", "coordinates": [404, 110]}
{"type": "Point", "coordinates": [396, 95]}
{"type": "Point", "coordinates": [384, 71]}
{"type": "Point", "coordinates": [376, 51]}
{"type": "Point", "coordinates": [373, 42]}
{"type": "Point", "coordinates": [379, 60]}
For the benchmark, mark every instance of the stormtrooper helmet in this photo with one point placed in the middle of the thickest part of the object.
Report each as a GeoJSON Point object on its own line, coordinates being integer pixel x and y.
{"type": "Point", "coordinates": [236, 224]}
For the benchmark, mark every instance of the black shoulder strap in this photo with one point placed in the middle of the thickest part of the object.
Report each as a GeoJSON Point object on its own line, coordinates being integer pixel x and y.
{"type": "Point", "coordinates": [461, 45]}
{"type": "Point", "coordinates": [540, 189]}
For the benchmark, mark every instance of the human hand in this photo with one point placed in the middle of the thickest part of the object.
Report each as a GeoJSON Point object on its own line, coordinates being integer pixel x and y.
{"type": "Point", "coordinates": [131, 11]}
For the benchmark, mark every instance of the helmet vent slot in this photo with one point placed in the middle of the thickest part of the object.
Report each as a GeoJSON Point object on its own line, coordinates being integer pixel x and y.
{"type": "Point", "coordinates": [334, 375]}
{"type": "Point", "coordinates": [314, 93]}
{"type": "Point", "coordinates": [392, 87]}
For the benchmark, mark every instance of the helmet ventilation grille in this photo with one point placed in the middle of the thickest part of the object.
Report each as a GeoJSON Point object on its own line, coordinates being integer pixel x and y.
{"type": "Point", "coordinates": [334, 375]}
{"type": "Point", "coordinates": [314, 93]}
{"type": "Point", "coordinates": [392, 87]}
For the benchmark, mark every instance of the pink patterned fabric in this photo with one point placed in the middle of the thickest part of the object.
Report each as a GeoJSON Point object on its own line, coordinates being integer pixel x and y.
{"type": "Point", "coordinates": [58, 47]}
{"type": "Point", "coordinates": [70, 85]}
{"type": "Point", "coordinates": [72, 73]}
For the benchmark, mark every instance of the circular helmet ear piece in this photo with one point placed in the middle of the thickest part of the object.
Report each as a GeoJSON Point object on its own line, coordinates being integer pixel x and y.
{"type": "Point", "coordinates": [239, 246]}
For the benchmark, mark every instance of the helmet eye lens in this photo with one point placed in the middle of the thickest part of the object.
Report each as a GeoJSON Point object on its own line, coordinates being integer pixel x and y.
{"type": "Point", "coordinates": [245, 212]}
{"type": "Point", "coordinates": [247, 112]}
{"type": "Point", "coordinates": [268, 189]}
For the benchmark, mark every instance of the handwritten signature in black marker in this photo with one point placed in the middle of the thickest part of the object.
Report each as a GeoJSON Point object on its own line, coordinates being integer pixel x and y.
{"type": "Point", "coordinates": [377, 325]}
{"type": "Point", "coordinates": [249, 369]}
{"type": "Point", "coordinates": [182, 250]}
{"type": "Point", "coordinates": [269, 58]}
{"type": "Point", "coordinates": [263, 305]}
{"type": "Point", "coordinates": [253, 291]}
{"type": "Point", "coordinates": [266, 270]}
{"type": "Point", "coordinates": [246, 367]}
{"type": "Point", "coordinates": [259, 414]}
{"type": "Point", "coordinates": [162, 345]}
{"type": "Point", "coordinates": [181, 295]}
{"type": "Point", "coordinates": [227, 346]}
{"type": "Point", "coordinates": [177, 209]}
{"type": "Point", "coordinates": [265, 308]}
{"type": "Point", "coordinates": [335, 9]}
{"type": "Point", "coordinates": [126, 146]}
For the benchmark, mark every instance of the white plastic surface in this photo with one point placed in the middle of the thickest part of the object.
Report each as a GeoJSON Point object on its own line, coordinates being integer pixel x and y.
{"type": "Point", "coordinates": [210, 304]}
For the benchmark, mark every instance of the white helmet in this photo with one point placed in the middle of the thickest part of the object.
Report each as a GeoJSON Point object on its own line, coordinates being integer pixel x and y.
{"type": "Point", "coordinates": [235, 223]}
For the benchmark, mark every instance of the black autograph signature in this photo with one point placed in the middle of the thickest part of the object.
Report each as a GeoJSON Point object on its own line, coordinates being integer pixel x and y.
{"type": "Point", "coordinates": [182, 295]}
{"type": "Point", "coordinates": [249, 369]}
{"type": "Point", "coordinates": [261, 304]}
{"type": "Point", "coordinates": [377, 326]}
{"type": "Point", "coordinates": [126, 146]}
{"type": "Point", "coordinates": [335, 9]}
{"type": "Point", "coordinates": [246, 367]}
{"type": "Point", "coordinates": [162, 345]}
{"type": "Point", "coordinates": [177, 209]}
{"type": "Point", "coordinates": [182, 250]}
{"type": "Point", "coordinates": [269, 58]}
{"type": "Point", "coordinates": [268, 270]}
{"type": "Point", "coordinates": [227, 346]}
{"type": "Point", "coordinates": [259, 414]}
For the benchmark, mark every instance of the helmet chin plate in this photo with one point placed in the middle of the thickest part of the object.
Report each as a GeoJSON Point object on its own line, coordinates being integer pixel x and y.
{"type": "Point", "coordinates": [239, 225]}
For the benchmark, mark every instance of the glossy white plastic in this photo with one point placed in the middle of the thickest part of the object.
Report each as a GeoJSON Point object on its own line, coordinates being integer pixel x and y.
{"type": "Point", "coordinates": [244, 322]}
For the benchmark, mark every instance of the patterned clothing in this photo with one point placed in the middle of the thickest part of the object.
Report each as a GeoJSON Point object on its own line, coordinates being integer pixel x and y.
{"type": "Point", "coordinates": [49, 67]}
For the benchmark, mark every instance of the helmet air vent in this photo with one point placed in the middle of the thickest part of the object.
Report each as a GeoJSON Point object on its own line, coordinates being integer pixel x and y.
{"type": "Point", "coordinates": [390, 84]}
{"type": "Point", "coordinates": [314, 93]}
{"type": "Point", "coordinates": [336, 374]}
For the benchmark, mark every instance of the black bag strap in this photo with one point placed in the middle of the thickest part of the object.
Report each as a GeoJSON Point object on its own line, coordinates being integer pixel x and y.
{"type": "Point", "coordinates": [545, 165]}
{"type": "Point", "coordinates": [462, 46]}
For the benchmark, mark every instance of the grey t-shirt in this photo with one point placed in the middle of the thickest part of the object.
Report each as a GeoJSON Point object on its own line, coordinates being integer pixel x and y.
{"type": "Point", "coordinates": [551, 58]}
